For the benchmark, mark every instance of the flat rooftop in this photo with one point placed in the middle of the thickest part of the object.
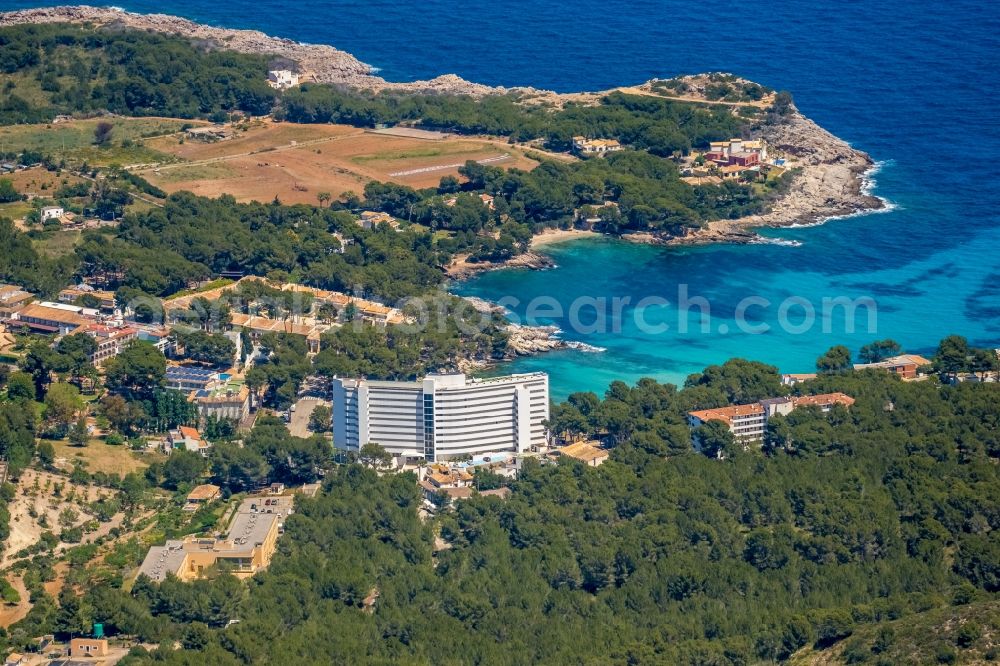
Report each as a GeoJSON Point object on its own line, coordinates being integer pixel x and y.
{"type": "Point", "coordinates": [250, 529]}
{"type": "Point", "coordinates": [162, 560]}
{"type": "Point", "coordinates": [185, 372]}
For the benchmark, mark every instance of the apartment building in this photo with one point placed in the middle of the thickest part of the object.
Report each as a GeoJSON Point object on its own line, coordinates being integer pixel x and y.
{"type": "Point", "coordinates": [748, 422]}
{"type": "Point", "coordinates": [229, 400]}
{"type": "Point", "coordinates": [442, 416]}
{"type": "Point", "coordinates": [111, 341]}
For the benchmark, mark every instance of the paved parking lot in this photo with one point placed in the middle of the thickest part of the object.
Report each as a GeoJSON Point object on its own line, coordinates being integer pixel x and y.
{"type": "Point", "coordinates": [299, 423]}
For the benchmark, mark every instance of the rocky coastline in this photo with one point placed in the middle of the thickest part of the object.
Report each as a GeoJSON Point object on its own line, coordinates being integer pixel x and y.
{"type": "Point", "coordinates": [522, 339]}
{"type": "Point", "coordinates": [461, 268]}
{"type": "Point", "coordinates": [830, 182]}
{"type": "Point", "coordinates": [318, 62]}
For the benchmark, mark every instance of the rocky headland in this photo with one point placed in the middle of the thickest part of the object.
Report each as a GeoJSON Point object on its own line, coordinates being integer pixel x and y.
{"type": "Point", "coordinates": [522, 339]}
{"type": "Point", "coordinates": [461, 268]}
{"type": "Point", "coordinates": [830, 180]}
{"type": "Point", "coordinates": [318, 62]}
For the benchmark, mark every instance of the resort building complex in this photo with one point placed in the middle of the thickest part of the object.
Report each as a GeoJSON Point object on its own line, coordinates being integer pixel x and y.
{"type": "Point", "coordinates": [111, 341]}
{"type": "Point", "coordinates": [246, 549]}
{"type": "Point", "coordinates": [737, 152]}
{"type": "Point", "coordinates": [442, 416]}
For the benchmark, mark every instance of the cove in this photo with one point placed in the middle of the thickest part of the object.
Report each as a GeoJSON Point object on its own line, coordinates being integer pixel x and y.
{"type": "Point", "coordinates": [923, 284]}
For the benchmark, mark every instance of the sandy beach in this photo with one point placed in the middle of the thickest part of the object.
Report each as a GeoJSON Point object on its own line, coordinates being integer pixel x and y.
{"type": "Point", "coordinates": [553, 236]}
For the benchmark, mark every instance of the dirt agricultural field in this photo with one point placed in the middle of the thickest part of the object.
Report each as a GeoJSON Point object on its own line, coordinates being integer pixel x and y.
{"type": "Point", "coordinates": [296, 162]}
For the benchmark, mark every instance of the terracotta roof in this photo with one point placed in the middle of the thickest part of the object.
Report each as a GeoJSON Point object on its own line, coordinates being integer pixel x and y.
{"type": "Point", "coordinates": [452, 493]}
{"type": "Point", "coordinates": [727, 414]}
{"type": "Point", "coordinates": [596, 143]}
{"type": "Point", "coordinates": [189, 433]}
{"type": "Point", "coordinates": [910, 358]}
{"type": "Point", "coordinates": [204, 492]}
{"type": "Point", "coordinates": [373, 308]}
{"type": "Point", "coordinates": [824, 400]}
{"type": "Point", "coordinates": [265, 324]}
{"type": "Point", "coordinates": [40, 311]}
{"type": "Point", "coordinates": [10, 292]}
{"type": "Point", "coordinates": [583, 451]}
{"type": "Point", "coordinates": [104, 331]}
{"type": "Point", "coordinates": [444, 477]}
{"type": "Point", "coordinates": [895, 361]}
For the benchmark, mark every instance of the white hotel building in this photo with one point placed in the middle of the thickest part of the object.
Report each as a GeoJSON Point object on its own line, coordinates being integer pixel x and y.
{"type": "Point", "coordinates": [443, 416]}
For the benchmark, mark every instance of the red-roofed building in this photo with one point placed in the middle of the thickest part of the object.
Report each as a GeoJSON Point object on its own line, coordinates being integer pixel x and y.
{"type": "Point", "coordinates": [48, 317]}
{"type": "Point", "coordinates": [825, 401]}
{"type": "Point", "coordinates": [906, 366]}
{"type": "Point", "coordinates": [111, 340]}
{"type": "Point", "coordinates": [189, 439]}
{"type": "Point", "coordinates": [744, 159]}
{"type": "Point", "coordinates": [748, 422]}
{"type": "Point", "coordinates": [745, 421]}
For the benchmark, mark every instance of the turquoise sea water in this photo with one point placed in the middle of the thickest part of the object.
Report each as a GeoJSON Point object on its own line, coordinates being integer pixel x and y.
{"type": "Point", "coordinates": [912, 82]}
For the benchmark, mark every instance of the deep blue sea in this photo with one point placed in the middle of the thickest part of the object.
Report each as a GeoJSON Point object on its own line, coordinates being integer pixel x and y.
{"type": "Point", "coordinates": [912, 82]}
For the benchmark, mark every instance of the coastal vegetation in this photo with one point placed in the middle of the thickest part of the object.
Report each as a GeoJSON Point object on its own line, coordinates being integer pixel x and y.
{"type": "Point", "coordinates": [63, 69]}
{"type": "Point", "coordinates": [842, 536]}
{"type": "Point", "coordinates": [661, 126]}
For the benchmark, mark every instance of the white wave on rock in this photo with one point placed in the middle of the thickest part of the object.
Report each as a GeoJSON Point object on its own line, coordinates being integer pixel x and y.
{"type": "Point", "coordinates": [784, 242]}
{"type": "Point", "coordinates": [584, 347]}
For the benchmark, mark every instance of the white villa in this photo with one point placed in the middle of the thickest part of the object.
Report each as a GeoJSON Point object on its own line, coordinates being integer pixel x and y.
{"type": "Point", "coordinates": [282, 78]}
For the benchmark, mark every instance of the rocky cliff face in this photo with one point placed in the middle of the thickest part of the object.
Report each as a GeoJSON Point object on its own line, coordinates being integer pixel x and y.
{"type": "Point", "coordinates": [461, 268]}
